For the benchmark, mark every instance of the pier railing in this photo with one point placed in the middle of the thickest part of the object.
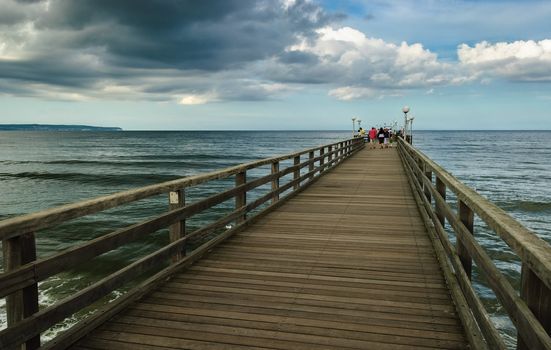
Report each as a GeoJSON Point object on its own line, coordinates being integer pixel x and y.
{"type": "Point", "coordinates": [530, 308]}
{"type": "Point", "coordinates": [22, 270]}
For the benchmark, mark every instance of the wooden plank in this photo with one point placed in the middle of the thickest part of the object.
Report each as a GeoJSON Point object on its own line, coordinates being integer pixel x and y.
{"type": "Point", "coordinates": [441, 189]}
{"type": "Point", "coordinates": [466, 215]}
{"type": "Point", "coordinates": [356, 330]}
{"type": "Point", "coordinates": [322, 159]}
{"type": "Point", "coordinates": [24, 303]}
{"type": "Point", "coordinates": [243, 337]}
{"type": "Point", "coordinates": [278, 310]}
{"type": "Point", "coordinates": [538, 298]}
{"type": "Point", "coordinates": [336, 337]}
{"type": "Point", "coordinates": [241, 197]}
{"type": "Point", "coordinates": [311, 275]}
{"type": "Point", "coordinates": [296, 173]}
{"type": "Point", "coordinates": [177, 199]}
{"type": "Point", "coordinates": [275, 182]}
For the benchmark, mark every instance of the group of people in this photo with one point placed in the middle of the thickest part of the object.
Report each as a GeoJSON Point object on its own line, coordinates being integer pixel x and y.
{"type": "Point", "coordinates": [383, 136]}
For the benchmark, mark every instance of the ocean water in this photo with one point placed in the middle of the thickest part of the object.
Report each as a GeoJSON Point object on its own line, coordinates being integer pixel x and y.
{"type": "Point", "coordinates": [39, 170]}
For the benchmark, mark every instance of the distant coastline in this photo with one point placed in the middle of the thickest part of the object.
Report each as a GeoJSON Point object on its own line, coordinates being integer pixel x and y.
{"type": "Point", "coordinates": [54, 127]}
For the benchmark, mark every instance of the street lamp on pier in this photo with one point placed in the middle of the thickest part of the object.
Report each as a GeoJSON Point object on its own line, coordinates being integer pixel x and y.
{"type": "Point", "coordinates": [410, 121]}
{"type": "Point", "coordinates": [353, 126]}
{"type": "Point", "coordinates": [405, 109]}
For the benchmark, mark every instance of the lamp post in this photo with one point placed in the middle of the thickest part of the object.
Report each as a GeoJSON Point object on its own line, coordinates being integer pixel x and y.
{"type": "Point", "coordinates": [353, 125]}
{"type": "Point", "coordinates": [410, 120]}
{"type": "Point", "coordinates": [405, 109]}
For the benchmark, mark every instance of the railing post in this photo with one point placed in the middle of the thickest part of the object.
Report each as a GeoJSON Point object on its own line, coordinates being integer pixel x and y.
{"type": "Point", "coordinates": [311, 164]}
{"type": "Point", "coordinates": [421, 171]}
{"type": "Point", "coordinates": [177, 199]}
{"type": "Point", "coordinates": [346, 148]}
{"type": "Point", "coordinates": [241, 198]}
{"type": "Point", "coordinates": [538, 298]}
{"type": "Point", "coordinates": [296, 173]}
{"type": "Point", "coordinates": [428, 174]}
{"type": "Point", "coordinates": [466, 216]}
{"type": "Point", "coordinates": [330, 156]}
{"type": "Point", "coordinates": [441, 188]}
{"type": "Point", "coordinates": [275, 182]}
{"type": "Point", "coordinates": [322, 158]}
{"type": "Point", "coordinates": [19, 251]}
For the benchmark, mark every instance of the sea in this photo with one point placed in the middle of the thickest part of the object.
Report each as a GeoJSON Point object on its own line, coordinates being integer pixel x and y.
{"type": "Point", "coordinates": [43, 169]}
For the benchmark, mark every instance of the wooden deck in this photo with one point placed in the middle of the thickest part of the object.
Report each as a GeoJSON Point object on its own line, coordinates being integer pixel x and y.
{"type": "Point", "coordinates": [346, 264]}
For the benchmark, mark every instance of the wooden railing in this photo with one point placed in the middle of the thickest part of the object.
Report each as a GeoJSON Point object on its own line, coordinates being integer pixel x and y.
{"type": "Point", "coordinates": [530, 308]}
{"type": "Point", "coordinates": [22, 270]}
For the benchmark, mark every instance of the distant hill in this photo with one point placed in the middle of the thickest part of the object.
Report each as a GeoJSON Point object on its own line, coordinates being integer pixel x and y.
{"type": "Point", "coordinates": [51, 127]}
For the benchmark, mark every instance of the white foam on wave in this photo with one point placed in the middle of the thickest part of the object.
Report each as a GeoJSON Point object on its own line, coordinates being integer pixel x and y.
{"type": "Point", "coordinates": [48, 297]}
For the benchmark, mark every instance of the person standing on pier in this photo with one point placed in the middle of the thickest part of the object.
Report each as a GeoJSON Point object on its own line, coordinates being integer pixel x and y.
{"type": "Point", "coordinates": [372, 137]}
{"type": "Point", "coordinates": [387, 137]}
{"type": "Point", "coordinates": [381, 137]}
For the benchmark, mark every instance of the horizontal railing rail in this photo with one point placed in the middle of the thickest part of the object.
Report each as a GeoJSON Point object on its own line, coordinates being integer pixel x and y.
{"type": "Point", "coordinates": [23, 271]}
{"type": "Point", "coordinates": [530, 308]}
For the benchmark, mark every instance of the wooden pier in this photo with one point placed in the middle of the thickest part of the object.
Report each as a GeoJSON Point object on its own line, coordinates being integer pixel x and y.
{"type": "Point", "coordinates": [347, 263]}
{"type": "Point", "coordinates": [351, 253]}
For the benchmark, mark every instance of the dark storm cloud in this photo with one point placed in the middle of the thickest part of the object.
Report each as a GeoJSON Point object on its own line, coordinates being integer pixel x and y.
{"type": "Point", "coordinates": [144, 37]}
{"type": "Point", "coordinates": [53, 71]}
{"type": "Point", "coordinates": [298, 57]}
{"type": "Point", "coordinates": [12, 13]}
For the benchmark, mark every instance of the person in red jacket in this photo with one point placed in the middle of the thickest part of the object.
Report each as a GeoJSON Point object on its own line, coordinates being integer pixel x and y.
{"type": "Point", "coordinates": [372, 137]}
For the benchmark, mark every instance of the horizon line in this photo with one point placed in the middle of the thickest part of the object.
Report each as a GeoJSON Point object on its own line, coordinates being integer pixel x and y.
{"type": "Point", "coordinates": [248, 130]}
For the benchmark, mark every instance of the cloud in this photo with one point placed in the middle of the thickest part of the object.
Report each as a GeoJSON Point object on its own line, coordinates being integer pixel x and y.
{"type": "Point", "coordinates": [196, 52]}
{"type": "Point", "coordinates": [517, 61]}
{"type": "Point", "coordinates": [347, 93]}
{"type": "Point", "coordinates": [86, 45]}
{"type": "Point", "coordinates": [361, 65]}
{"type": "Point", "coordinates": [197, 99]}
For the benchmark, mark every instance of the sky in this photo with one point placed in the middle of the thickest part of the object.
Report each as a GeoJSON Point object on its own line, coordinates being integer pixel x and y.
{"type": "Point", "coordinates": [276, 64]}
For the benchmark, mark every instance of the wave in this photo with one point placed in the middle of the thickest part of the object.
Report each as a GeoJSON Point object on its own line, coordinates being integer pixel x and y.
{"type": "Point", "coordinates": [163, 162]}
{"type": "Point", "coordinates": [102, 179]}
{"type": "Point", "coordinates": [184, 157]}
{"type": "Point", "coordinates": [526, 206]}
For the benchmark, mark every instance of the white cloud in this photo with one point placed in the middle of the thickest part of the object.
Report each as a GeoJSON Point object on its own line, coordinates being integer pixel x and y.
{"type": "Point", "coordinates": [347, 93]}
{"type": "Point", "coordinates": [286, 4]}
{"type": "Point", "coordinates": [367, 67]}
{"type": "Point", "coordinates": [519, 61]}
{"type": "Point", "coordinates": [196, 99]}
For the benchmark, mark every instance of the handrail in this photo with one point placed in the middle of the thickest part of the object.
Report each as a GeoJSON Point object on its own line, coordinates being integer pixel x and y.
{"type": "Point", "coordinates": [533, 250]}
{"type": "Point", "coordinates": [19, 225]}
{"type": "Point", "coordinates": [529, 312]}
{"type": "Point", "coordinates": [23, 271]}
